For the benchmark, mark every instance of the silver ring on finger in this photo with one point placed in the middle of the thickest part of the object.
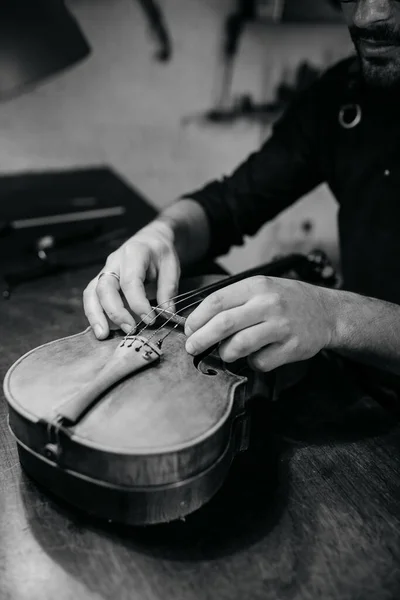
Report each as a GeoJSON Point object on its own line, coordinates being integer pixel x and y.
{"type": "Point", "coordinates": [111, 273]}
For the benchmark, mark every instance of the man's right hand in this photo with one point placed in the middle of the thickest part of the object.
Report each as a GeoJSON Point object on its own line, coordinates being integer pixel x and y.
{"type": "Point", "coordinates": [149, 255]}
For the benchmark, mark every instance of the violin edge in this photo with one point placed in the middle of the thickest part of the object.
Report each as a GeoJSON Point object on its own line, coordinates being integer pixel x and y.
{"type": "Point", "coordinates": [237, 397]}
{"type": "Point", "coordinates": [136, 505]}
{"type": "Point", "coordinates": [10, 399]}
{"type": "Point", "coordinates": [36, 431]}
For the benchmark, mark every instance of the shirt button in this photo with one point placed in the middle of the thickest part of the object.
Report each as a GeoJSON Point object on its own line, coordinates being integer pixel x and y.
{"type": "Point", "coordinates": [386, 172]}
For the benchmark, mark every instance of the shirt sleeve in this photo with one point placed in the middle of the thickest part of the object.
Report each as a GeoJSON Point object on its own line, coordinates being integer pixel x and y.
{"type": "Point", "coordinates": [285, 168]}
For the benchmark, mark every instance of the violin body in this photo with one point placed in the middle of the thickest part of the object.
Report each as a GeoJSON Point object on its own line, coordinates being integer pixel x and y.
{"type": "Point", "coordinates": [133, 429]}
{"type": "Point", "coordinates": [154, 447]}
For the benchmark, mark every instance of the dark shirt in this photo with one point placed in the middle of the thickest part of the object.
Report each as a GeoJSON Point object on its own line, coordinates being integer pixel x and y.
{"type": "Point", "coordinates": [308, 146]}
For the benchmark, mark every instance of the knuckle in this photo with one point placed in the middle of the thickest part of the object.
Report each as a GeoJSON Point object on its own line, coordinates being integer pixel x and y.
{"type": "Point", "coordinates": [227, 355]}
{"type": "Point", "coordinates": [127, 280]}
{"type": "Point", "coordinates": [258, 362]}
{"type": "Point", "coordinates": [226, 324]}
{"type": "Point", "coordinates": [259, 284]}
{"type": "Point", "coordinates": [114, 316]}
{"type": "Point", "coordinates": [294, 344]}
{"type": "Point", "coordinates": [259, 306]}
{"type": "Point", "coordinates": [215, 303]}
{"type": "Point", "coordinates": [284, 327]}
{"type": "Point", "coordinates": [274, 301]}
{"type": "Point", "coordinates": [137, 251]}
{"type": "Point", "coordinates": [160, 246]}
{"type": "Point", "coordinates": [157, 245]}
{"type": "Point", "coordinates": [240, 345]}
{"type": "Point", "coordinates": [134, 248]}
{"type": "Point", "coordinates": [235, 349]}
{"type": "Point", "coordinates": [110, 258]}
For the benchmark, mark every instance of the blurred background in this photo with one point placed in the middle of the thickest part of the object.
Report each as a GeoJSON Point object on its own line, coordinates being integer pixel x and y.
{"type": "Point", "coordinates": [168, 104]}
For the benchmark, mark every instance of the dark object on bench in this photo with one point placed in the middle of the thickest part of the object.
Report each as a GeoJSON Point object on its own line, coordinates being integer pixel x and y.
{"type": "Point", "coordinates": [64, 220]}
{"type": "Point", "coordinates": [59, 220]}
{"type": "Point", "coordinates": [38, 38]}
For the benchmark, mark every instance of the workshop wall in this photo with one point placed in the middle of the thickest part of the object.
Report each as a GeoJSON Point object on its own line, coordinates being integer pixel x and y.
{"type": "Point", "coordinates": [123, 108]}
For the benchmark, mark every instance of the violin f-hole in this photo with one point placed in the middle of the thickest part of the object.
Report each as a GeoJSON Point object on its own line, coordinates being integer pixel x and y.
{"type": "Point", "coordinates": [201, 365]}
{"type": "Point", "coordinates": [203, 368]}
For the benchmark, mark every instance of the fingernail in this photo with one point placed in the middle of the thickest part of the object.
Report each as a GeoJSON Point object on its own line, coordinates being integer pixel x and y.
{"type": "Point", "coordinates": [126, 327]}
{"type": "Point", "coordinates": [98, 330]}
{"type": "Point", "coordinates": [148, 317]}
{"type": "Point", "coordinates": [170, 306]}
{"type": "Point", "coordinates": [188, 331]}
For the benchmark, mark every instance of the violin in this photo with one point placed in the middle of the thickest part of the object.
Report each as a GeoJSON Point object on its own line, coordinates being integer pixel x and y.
{"type": "Point", "coordinates": [133, 429]}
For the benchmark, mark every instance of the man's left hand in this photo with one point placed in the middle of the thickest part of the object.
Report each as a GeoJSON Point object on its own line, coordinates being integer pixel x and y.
{"type": "Point", "coordinates": [272, 321]}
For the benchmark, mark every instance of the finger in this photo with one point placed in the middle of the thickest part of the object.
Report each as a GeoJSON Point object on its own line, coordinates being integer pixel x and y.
{"type": "Point", "coordinates": [250, 340]}
{"type": "Point", "coordinates": [224, 325]}
{"type": "Point", "coordinates": [133, 275]}
{"type": "Point", "coordinates": [94, 312]}
{"type": "Point", "coordinates": [229, 297]}
{"type": "Point", "coordinates": [135, 294]}
{"type": "Point", "coordinates": [271, 357]}
{"type": "Point", "coordinates": [168, 281]}
{"type": "Point", "coordinates": [108, 293]}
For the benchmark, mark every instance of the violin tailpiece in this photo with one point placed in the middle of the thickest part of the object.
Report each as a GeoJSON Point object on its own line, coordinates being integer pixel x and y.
{"type": "Point", "coordinates": [133, 354]}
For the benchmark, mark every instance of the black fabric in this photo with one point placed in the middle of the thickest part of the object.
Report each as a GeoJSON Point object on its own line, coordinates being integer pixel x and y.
{"type": "Point", "coordinates": [308, 147]}
{"type": "Point", "coordinates": [331, 399]}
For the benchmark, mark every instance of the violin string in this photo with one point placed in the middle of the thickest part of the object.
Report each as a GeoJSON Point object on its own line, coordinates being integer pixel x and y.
{"type": "Point", "coordinates": [161, 341]}
{"type": "Point", "coordinates": [167, 321]}
{"type": "Point", "coordinates": [135, 328]}
{"type": "Point", "coordinates": [182, 297]}
{"type": "Point", "coordinates": [173, 315]}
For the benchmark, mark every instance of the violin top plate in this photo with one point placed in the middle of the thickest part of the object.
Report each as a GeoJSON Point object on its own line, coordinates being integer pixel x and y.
{"type": "Point", "coordinates": [170, 404]}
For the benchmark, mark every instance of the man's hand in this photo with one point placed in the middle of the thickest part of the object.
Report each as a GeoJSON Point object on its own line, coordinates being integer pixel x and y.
{"type": "Point", "coordinates": [271, 321]}
{"type": "Point", "coordinates": [149, 255]}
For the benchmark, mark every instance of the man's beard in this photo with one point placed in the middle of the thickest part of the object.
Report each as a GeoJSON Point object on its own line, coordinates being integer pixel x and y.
{"type": "Point", "coordinates": [381, 72]}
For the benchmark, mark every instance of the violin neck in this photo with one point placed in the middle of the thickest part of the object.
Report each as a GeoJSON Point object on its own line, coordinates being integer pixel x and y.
{"type": "Point", "coordinates": [306, 268]}
{"type": "Point", "coordinates": [271, 269]}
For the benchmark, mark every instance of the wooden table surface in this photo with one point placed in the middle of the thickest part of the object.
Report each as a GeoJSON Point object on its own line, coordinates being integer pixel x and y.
{"type": "Point", "coordinates": [312, 519]}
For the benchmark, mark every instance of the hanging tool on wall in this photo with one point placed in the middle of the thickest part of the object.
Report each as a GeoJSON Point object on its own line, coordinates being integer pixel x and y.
{"type": "Point", "coordinates": [159, 28]}
{"type": "Point", "coordinates": [227, 109]}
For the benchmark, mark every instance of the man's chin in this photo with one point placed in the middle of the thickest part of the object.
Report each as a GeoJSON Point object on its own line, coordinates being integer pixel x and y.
{"type": "Point", "coordinates": [380, 74]}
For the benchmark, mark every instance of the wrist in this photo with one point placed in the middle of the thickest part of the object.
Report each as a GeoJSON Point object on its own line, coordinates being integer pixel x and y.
{"type": "Point", "coordinates": [333, 312]}
{"type": "Point", "coordinates": [174, 231]}
{"type": "Point", "coordinates": [339, 306]}
{"type": "Point", "coordinates": [166, 226]}
{"type": "Point", "coordinates": [187, 225]}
